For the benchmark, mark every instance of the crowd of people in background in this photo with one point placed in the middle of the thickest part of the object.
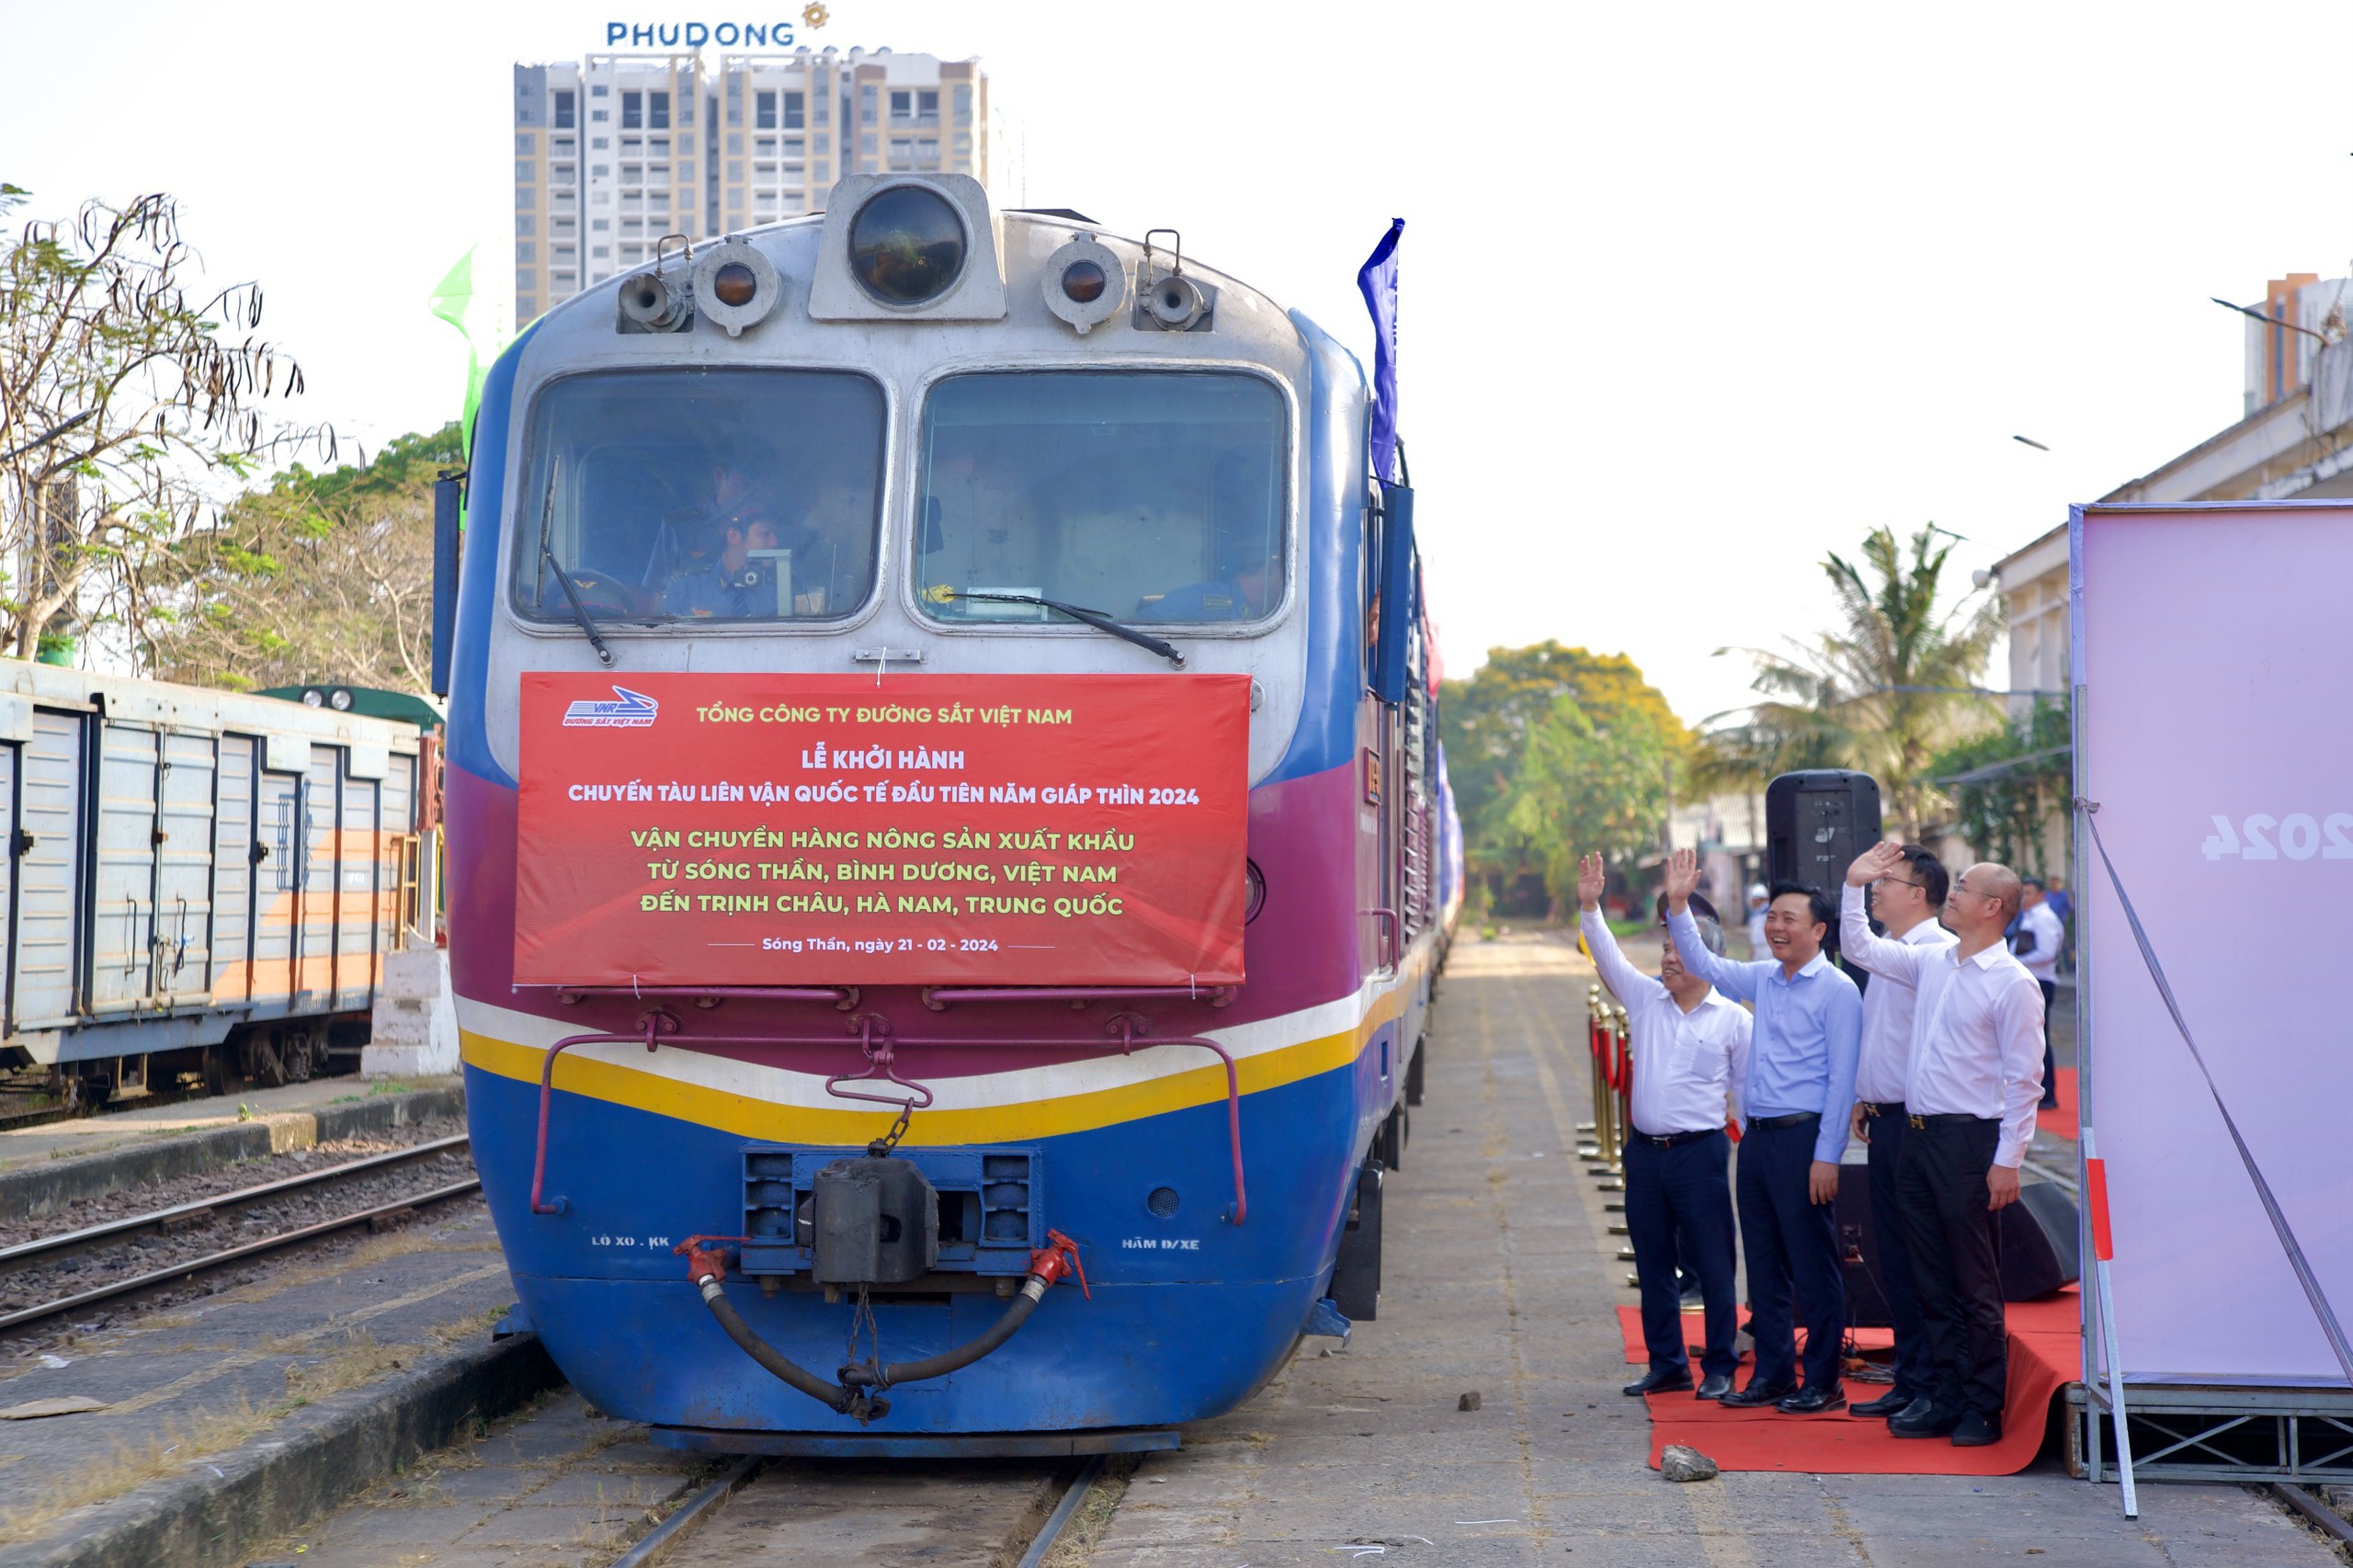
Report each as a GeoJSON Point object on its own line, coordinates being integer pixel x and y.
{"type": "Point", "coordinates": [1938, 1069]}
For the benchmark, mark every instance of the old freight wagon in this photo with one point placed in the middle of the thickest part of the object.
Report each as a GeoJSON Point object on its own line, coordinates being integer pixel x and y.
{"type": "Point", "coordinates": [195, 882]}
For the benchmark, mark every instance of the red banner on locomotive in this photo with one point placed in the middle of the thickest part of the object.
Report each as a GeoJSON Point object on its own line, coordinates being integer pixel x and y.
{"type": "Point", "coordinates": [800, 829]}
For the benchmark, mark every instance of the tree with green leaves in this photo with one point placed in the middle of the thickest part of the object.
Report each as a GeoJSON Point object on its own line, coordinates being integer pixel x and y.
{"type": "Point", "coordinates": [1517, 733]}
{"type": "Point", "coordinates": [2011, 790]}
{"type": "Point", "coordinates": [1892, 683]}
{"type": "Point", "coordinates": [318, 577]}
{"type": "Point", "coordinates": [1583, 786]}
{"type": "Point", "coordinates": [129, 411]}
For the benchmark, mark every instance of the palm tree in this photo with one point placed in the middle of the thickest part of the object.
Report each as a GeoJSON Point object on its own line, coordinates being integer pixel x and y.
{"type": "Point", "coordinates": [1891, 685]}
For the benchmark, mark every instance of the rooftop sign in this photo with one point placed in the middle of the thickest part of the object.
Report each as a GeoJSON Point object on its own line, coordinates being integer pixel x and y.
{"type": "Point", "coordinates": [694, 35]}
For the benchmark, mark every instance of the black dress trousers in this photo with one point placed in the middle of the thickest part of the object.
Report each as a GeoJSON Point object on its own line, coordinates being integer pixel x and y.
{"type": "Point", "coordinates": [1956, 1260]}
{"type": "Point", "coordinates": [1792, 1247]}
{"type": "Point", "coordinates": [1915, 1370]}
{"type": "Point", "coordinates": [1678, 1210]}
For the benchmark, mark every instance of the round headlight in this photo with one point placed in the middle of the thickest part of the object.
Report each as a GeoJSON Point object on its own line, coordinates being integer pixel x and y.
{"type": "Point", "coordinates": [907, 246]}
{"type": "Point", "coordinates": [339, 700]}
{"type": "Point", "coordinates": [735, 284]}
{"type": "Point", "coordinates": [1082, 282]}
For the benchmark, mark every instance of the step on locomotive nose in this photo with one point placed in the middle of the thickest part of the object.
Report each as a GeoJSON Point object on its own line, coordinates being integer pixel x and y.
{"type": "Point", "coordinates": [874, 1221]}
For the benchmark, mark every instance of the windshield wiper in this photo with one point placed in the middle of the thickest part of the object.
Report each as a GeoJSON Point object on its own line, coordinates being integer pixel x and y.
{"type": "Point", "coordinates": [1094, 617]}
{"type": "Point", "coordinates": [571, 590]}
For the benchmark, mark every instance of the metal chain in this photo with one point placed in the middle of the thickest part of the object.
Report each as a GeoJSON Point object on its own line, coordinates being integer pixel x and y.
{"type": "Point", "coordinates": [890, 1140]}
{"type": "Point", "coordinates": [864, 1318]}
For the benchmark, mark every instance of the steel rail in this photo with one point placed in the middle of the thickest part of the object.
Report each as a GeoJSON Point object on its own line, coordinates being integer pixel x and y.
{"type": "Point", "coordinates": [2317, 1513]}
{"type": "Point", "coordinates": [1064, 1511]}
{"type": "Point", "coordinates": [657, 1545]}
{"type": "Point", "coordinates": [174, 1271]}
{"type": "Point", "coordinates": [26, 1254]}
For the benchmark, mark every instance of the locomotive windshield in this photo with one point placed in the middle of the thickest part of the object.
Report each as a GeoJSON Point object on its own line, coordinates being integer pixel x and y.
{"type": "Point", "coordinates": [1144, 495]}
{"type": "Point", "coordinates": [690, 495]}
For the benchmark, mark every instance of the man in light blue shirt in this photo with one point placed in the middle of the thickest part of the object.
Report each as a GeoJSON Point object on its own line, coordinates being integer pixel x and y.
{"type": "Point", "coordinates": [1801, 1089]}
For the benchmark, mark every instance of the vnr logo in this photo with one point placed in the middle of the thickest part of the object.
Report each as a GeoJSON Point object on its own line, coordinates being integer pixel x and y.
{"type": "Point", "coordinates": [635, 710]}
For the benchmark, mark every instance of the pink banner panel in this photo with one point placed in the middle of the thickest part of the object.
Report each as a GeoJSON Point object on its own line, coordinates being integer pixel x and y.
{"type": "Point", "coordinates": [2214, 646]}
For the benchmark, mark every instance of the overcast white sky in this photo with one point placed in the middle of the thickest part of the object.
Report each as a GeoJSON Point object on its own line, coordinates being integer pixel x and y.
{"type": "Point", "coordinates": [1692, 293]}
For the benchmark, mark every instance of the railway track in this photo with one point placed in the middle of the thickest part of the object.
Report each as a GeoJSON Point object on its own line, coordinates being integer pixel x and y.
{"type": "Point", "coordinates": [117, 1233]}
{"type": "Point", "coordinates": [837, 1511]}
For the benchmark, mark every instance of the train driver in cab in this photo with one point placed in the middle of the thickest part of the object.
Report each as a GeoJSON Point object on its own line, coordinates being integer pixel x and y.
{"type": "Point", "coordinates": [738, 579]}
{"type": "Point", "coordinates": [1242, 583]}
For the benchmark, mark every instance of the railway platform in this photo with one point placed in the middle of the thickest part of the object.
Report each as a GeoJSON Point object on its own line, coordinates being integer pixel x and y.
{"type": "Point", "coordinates": [290, 1112]}
{"type": "Point", "coordinates": [1500, 1278]}
{"type": "Point", "coordinates": [174, 1425]}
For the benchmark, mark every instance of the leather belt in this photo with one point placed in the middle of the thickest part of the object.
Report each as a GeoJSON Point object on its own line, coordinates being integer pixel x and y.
{"type": "Point", "coordinates": [1672, 1139]}
{"type": "Point", "coordinates": [1945, 1119]}
{"type": "Point", "coordinates": [1789, 1120]}
{"type": "Point", "coordinates": [1882, 1107]}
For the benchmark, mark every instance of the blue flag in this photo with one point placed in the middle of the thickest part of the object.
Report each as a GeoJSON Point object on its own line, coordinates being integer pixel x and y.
{"type": "Point", "coordinates": [1376, 280]}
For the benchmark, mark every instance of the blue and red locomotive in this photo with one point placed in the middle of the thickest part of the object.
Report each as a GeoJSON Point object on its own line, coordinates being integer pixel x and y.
{"type": "Point", "coordinates": [916, 434]}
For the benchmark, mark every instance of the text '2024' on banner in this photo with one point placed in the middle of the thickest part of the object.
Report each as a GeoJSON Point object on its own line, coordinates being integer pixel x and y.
{"type": "Point", "coordinates": [801, 829]}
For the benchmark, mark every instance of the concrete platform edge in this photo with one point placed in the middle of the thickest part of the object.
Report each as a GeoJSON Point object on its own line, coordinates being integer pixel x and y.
{"type": "Point", "coordinates": [44, 1188]}
{"type": "Point", "coordinates": [305, 1467]}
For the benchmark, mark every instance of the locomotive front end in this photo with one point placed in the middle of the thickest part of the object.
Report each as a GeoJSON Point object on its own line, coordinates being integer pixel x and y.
{"type": "Point", "coordinates": [933, 944]}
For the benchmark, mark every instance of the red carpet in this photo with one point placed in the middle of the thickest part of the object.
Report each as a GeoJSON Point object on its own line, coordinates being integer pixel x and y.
{"type": "Point", "coordinates": [2061, 1123]}
{"type": "Point", "coordinates": [2046, 1354]}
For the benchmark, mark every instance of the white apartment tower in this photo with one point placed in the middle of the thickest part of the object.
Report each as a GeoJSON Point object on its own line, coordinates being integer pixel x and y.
{"type": "Point", "coordinates": [614, 153]}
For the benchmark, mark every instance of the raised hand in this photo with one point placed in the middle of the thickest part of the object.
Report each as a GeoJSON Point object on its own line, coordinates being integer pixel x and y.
{"type": "Point", "coordinates": [1682, 879]}
{"type": "Point", "coordinates": [1874, 863]}
{"type": "Point", "coordinates": [1592, 877]}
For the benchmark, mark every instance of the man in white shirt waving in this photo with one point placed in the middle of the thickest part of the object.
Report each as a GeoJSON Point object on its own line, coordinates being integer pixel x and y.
{"type": "Point", "coordinates": [1691, 1057]}
{"type": "Point", "coordinates": [1969, 1095]}
{"type": "Point", "coordinates": [1904, 901]}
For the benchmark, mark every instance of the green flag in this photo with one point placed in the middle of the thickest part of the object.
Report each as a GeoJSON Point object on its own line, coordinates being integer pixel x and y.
{"type": "Point", "coordinates": [453, 301]}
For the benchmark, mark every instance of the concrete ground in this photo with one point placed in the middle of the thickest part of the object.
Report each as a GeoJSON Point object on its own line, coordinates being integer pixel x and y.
{"type": "Point", "coordinates": [555, 1486]}
{"type": "Point", "coordinates": [1501, 1279]}
{"type": "Point", "coordinates": [186, 1387]}
{"type": "Point", "coordinates": [116, 1129]}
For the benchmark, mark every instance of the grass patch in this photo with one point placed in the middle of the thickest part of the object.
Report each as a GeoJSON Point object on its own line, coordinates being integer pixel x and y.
{"type": "Point", "coordinates": [1094, 1516]}
{"type": "Point", "coordinates": [170, 1450]}
{"type": "Point", "coordinates": [357, 1360]}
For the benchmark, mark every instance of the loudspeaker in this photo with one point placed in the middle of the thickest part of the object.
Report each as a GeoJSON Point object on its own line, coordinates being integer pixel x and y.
{"type": "Point", "coordinates": [1817, 823]}
{"type": "Point", "coordinates": [1858, 1259]}
{"type": "Point", "coordinates": [2036, 1238]}
{"type": "Point", "coordinates": [2039, 1234]}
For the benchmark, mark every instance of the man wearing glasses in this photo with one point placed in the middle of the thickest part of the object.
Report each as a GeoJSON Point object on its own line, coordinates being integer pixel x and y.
{"type": "Point", "coordinates": [1970, 1097]}
{"type": "Point", "coordinates": [1905, 901]}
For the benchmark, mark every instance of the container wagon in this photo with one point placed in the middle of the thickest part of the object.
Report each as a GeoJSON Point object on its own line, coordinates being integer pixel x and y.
{"type": "Point", "coordinates": [197, 882]}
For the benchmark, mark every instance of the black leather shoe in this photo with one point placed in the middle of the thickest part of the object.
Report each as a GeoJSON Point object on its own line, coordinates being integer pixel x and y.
{"type": "Point", "coordinates": [1925, 1419]}
{"type": "Point", "coordinates": [1753, 1396]}
{"type": "Point", "coordinates": [1894, 1402]}
{"type": "Point", "coordinates": [1715, 1385]}
{"type": "Point", "coordinates": [1664, 1380]}
{"type": "Point", "coordinates": [1976, 1431]}
{"type": "Point", "coordinates": [1812, 1401]}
